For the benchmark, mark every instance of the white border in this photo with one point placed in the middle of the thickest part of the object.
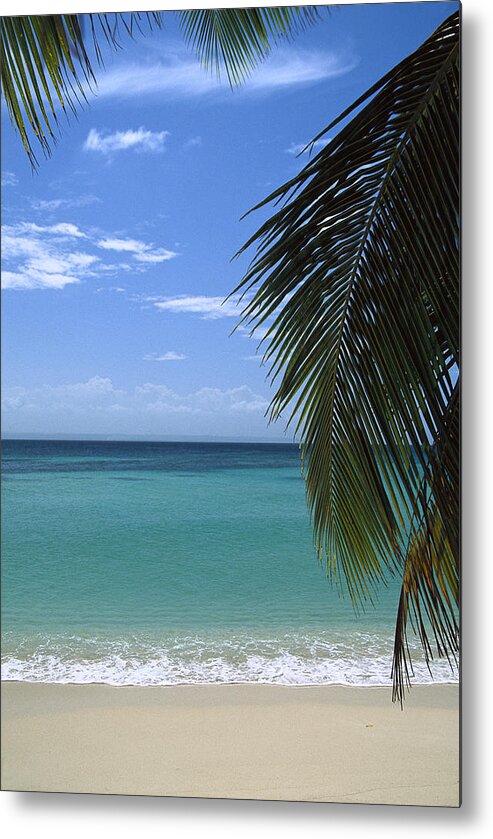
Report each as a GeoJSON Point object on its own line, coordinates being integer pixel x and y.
{"type": "Point", "coordinates": [56, 815]}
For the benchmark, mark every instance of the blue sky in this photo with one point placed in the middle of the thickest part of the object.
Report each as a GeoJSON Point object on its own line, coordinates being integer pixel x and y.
{"type": "Point", "coordinates": [116, 254]}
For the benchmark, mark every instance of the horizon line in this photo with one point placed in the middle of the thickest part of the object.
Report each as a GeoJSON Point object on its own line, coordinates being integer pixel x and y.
{"type": "Point", "coordinates": [139, 438]}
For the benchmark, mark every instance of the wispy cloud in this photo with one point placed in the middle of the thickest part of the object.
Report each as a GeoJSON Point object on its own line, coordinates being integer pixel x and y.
{"type": "Point", "coordinates": [141, 251]}
{"type": "Point", "coordinates": [171, 355]}
{"type": "Point", "coordinates": [173, 77]}
{"type": "Point", "coordinates": [257, 334]}
{"type": "Point", "coordinates": [139, 139]}
{"type": "Point", "coordinates": [297, 67]}
{"type": "Point", "coordinates": [210, 308]}
{"type": "Point", "coordinates": [114, 289]}
{"type": "Point", "coordinates": [60, 229]}
{"type": "Point", "coordinates": [53, 204]}
{"type": "Point", "coordinates": [193, 142]}
{"type": "Point", "coordinates": [176, 74]}
{"type": "Point", "coordinates": [9, 179]}
{"type": "Point", "coordinates": [297, 148]}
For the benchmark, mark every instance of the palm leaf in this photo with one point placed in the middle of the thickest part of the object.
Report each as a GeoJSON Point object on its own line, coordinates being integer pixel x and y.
{"type": "Point", "coordinates": [357, 278]}
{"type": "Point", "coordinates": [236, 40]}
{"type": "Point", "coordinates": [429, 596]}
{"type": "Point", "coordinates": [46, 67]}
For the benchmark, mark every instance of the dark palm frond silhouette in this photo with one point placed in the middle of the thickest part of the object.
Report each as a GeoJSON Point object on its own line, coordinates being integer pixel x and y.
{"type": "Point", "coordinates": [357, 278]}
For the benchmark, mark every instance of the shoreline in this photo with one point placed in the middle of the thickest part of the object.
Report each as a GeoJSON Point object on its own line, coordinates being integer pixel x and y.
{"type": "Point", "coordinates": [261, 741]}
{"type": "Point", "coordinates": [290, 685]}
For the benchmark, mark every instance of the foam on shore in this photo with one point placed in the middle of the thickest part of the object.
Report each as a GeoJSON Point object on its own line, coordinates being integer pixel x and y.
{"type": "Point", "coordinates": [353, 659]}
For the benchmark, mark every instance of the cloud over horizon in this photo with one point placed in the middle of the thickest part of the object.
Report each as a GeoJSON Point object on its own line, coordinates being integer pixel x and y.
{"type": "Point", "coordinates": [98, 404]}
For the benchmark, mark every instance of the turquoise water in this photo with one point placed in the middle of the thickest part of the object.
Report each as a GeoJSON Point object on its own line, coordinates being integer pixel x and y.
{"type": "Point", "coordinates": [162, 563]}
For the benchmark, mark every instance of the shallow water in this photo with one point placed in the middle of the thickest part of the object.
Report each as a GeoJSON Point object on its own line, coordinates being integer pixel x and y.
{"type": "Point", "coordinates": [162, 563]}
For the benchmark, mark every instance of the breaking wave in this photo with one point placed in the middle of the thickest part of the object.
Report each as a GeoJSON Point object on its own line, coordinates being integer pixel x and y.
{"type": "Point", "coordinates": [357, 659]}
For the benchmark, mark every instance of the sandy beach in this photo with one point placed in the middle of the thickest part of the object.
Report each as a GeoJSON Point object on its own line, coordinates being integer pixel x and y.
{"type": "Point", "coordinates": [235, 741]}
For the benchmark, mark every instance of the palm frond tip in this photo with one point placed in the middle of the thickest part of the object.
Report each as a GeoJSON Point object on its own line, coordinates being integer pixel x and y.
{"type": "Point", "coordinates": [46, 67]}
{"type": "Point", "coordinates": [234, 41]}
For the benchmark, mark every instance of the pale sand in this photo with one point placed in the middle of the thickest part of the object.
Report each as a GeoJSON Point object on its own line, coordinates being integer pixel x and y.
{"type": "Point", "coordinates": [234, 741]}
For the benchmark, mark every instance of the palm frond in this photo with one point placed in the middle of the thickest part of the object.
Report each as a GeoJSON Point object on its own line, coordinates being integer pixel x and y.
{"type": "Point", "coordinates": [357, 278]}
{"type": "Point", "coordinates": [429, 597]}
{"type": "Point", "coordinates": [236, 40]}
{"type": "Point", "coordinates": [46, 67]}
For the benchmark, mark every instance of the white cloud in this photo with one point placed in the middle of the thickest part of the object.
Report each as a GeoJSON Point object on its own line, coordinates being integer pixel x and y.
{"type": "Point", "coordinates": [297, 67]}
{"type": "Point", "coordinates": [34, 260]}
{"type": "Point", "coordinates": [140, 250]}
{"type": "Point", "coordinates": [179, 75]}
{"type": "Point", "coordinates": [175, 77]}
{"type": "Point", "coordinates": [297, 148]}
{"type": "Point", "coordinates": [9, 179]}
{"type": "Point", "coordinates": [97, 393]}
{"type": "Point", "coordinates": [44, 256]}
{"type": "Point", "coordinates": [53, 204]}
{"type": "Point", "coordinates": [140, 140]}
{"type": "Point", "coordinates": [206, 400]}
{"type": "Point", "coordinates": [210, 308]}
{"type": "Point", "coordinates": [30, 278]}
{"type": "Point", "coordinates": [157, 255]}
{"type": "Point", "coordinates": [61, 229]}
{"type": "Point", "coordinates": [99, 398]}
{"type": "Point", "coordinates": [129, 245]}
{"type": "Point", "coordinates": [167, 356]}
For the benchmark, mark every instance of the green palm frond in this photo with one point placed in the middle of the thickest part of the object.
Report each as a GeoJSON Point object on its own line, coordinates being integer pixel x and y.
{"type": "Point", "coordinates": [357, 278]}
{"type": "Point", "coordinates": [236, 40]}
{"type": "Point", "coordinates": [46, 66]}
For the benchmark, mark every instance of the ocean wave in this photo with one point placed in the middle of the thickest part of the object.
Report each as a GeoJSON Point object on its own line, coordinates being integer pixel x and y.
{"type": "Point", "coordinates": [360, 660]}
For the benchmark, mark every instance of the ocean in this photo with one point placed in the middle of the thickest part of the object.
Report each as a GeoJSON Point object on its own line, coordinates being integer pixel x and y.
{"type": "Point", "coordinates": [142, 563]}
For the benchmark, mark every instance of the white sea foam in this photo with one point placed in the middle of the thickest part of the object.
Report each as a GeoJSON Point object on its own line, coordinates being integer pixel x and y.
{"type": "Point", "coordinates": [361, 660]}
